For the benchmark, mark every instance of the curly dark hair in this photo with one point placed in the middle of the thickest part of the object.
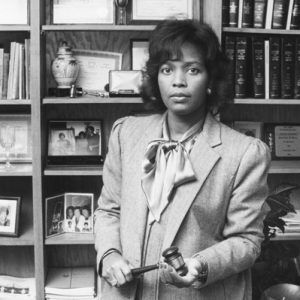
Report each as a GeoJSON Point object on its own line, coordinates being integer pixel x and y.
{"type": "Point", "coordinates": [166, 42]}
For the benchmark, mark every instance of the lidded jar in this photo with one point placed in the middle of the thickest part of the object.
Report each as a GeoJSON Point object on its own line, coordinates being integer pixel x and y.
{"type": "Point", "coordinates": [65, 68]}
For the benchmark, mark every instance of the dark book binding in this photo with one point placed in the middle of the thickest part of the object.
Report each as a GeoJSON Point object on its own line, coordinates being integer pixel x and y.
{"type": "Point", "coordinates": [258, 65]}
{"type": "Point", "coordinates": [275, 63]}
{"type": "Point", "coordinates": [225, 13]}
{"type": "Point", "coordinates": [280, 11]}
{"type": "Point", "coordinates": [259, 14]}
{"type": "Point", "coordinates": [230, 53]}
{"type": "Point", "coordinates": [297, 70]}
{"type": "Point", "coordinates": [247, 14]}
{"type": "Point", "coordinates": [241, 69]}
{"type": "Point", "coordinates": [295, 19]}
{"type": "Point", "coordinates": [233, 13]}
{"type": "Point", "coordinates": [287, 67]}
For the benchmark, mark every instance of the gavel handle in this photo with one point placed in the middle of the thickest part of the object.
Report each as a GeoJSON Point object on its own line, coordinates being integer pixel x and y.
{"type": "Point", "coordinates": [137, 271]}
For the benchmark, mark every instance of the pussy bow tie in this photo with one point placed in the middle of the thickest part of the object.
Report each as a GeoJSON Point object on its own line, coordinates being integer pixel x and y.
{"type": "Point", "coordinates": [166, 165]}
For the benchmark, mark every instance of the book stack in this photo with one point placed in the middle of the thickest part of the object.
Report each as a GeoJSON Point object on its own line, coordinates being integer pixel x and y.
{"type": "Point", "coordinates": [14, 71]}
{"type": "Point", "coordinates": [17, 288]}
{"type": "Point", "coordinates": [268, 14]}
{"type": "Point", "coordinates": [264, 68]}
{"type": "Point", "coordinates": [77, 283]}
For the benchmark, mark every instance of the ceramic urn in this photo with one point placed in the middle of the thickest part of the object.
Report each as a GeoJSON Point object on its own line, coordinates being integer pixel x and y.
{"type": "Point", "coordinates": [65, 68]}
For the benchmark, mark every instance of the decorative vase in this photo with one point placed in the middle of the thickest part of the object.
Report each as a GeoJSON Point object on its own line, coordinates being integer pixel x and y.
{"type": "Point", "coordinates": [65, 68]}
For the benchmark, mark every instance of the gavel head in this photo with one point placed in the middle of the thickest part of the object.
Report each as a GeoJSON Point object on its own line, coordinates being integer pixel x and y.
{"type": "Point", "coordinates": [174, 259]}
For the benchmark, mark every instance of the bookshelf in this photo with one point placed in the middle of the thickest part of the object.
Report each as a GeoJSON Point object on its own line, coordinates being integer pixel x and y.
{"type": "Point", "coordinates": [30, 254]}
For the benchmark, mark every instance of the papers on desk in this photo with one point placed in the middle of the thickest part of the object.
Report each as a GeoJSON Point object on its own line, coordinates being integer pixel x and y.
{"type": "Point", "coordinates": [292, 221]}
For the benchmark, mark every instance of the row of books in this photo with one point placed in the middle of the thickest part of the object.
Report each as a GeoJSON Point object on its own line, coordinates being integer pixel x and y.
{"type": "Point", "coordinates": [268, 14]}
{"type": "Point", "coordinates": [71, 283]}
{"type": "Point", "coordinates": [14, 71]}
{"type": "Point", "coordinates": [264, 68]}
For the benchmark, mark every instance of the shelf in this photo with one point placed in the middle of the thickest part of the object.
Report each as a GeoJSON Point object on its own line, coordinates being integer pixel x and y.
{"type": "Point", "coordinates": [15, 102]}
{"type": "Point", "coordinates": [18, 170]}
{"type": "Point", "coordinates": [91, 100]}
{"type": "Point", "coordinates": [73, 170]}
{"type": "Point", "coordinates": [97, 27]}
{"type": "Point", "coordinates": [267, 101]}
{"type": "Point", "coordinates": [261, 31]}
{"type": "Point", "coordinates": [288, 236]}
{"type": "Point", "coordinates": [285, 167]}
{"type": "Point", "coordinates": [70, 239]}
{"type": "Point", "coordinates": [14, 27]}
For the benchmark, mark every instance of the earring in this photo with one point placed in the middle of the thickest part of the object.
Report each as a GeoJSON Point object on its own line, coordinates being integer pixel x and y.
{"type": "Point", "coordinates": [208, 91]}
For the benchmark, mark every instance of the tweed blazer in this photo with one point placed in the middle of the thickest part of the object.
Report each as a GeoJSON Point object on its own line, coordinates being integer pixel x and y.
{"type": "Point", "coordinates": [219, 216]}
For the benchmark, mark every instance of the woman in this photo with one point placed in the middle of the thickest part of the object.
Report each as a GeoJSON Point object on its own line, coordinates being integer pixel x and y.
{"type": "Point", "coordinates": [181, 178]}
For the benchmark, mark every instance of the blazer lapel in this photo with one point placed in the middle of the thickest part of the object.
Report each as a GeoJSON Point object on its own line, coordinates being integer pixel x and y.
{"type": "Point", "coordinates": [203, 158]}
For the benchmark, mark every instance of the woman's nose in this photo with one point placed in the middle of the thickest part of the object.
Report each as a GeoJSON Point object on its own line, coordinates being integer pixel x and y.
{"type": "Point", "coordinates": [179, 79]}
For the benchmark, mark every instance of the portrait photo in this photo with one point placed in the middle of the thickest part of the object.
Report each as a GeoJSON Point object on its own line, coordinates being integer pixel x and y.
{"type": "Point", "coordinates": [9, 216]}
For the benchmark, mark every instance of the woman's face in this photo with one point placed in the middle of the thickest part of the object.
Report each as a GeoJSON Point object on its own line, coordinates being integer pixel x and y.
{"type": "Point", "coordinates": [183, 83]}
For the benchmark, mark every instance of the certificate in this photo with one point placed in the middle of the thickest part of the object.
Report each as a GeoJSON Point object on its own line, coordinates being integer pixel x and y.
{"type": "Point", "coordinates": [94, 67]}
{"type": "Point", "coordinates": [139, 54]}
{"type": "Point", "coordinates": [83, 11]}
{"type": "Point", "coordinates": [13, 12]}
{"type": "Point", "coordinates": [161, 9]}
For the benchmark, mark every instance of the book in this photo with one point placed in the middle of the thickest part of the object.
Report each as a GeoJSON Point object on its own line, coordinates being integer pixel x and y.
{"type": "Point", "coordinates": [225, 13]}
{"type": "Point", "coordinates": [269, 14]}
{"type": "Point", "coordinates": [1, 71]}
{"type": "Point", "coordinates": [259, 14]}
{"type": "Point", "coordinates": [241, 70]}
{"type": "Point", "coordinates": [280, 11]}
{"type": "Point", "coordinates": [295, 18]}
{"type": "Point", "coordinates": [233, 13]}
{"type": "Point", "coordinates": [230, 53]}
{"type": "Point", "coordinates": [289, 14]}
{"type": "Point", "coordinates": [10, 70]}
{"type": "Point", "coordinates": [21, 72]}
{"type": "Point", "coordinates": [275, 69]}
{"type": "Point", "coordinates": [267, 68]}
{"type": "Point", "coordinates": [240, 13]}
{"type": "Point", "coordinates": [287, 67]}
{"type": "Point", "coordinates": [27, 68]}
{"type": "Point", "coordinates": [76, 281]}
{"type": "Point", "coordinates": [247, 13]}
{"type": "Point", "coordinates": [297, 70]}
{"type": "Point", "coordinates": [258, 66]}
{"type": "Point", "coordinates": [5, 75]}
{"type": "Point", "coordinates": [15, 72]}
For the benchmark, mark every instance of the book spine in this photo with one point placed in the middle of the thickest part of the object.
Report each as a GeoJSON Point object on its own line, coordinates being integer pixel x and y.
{"type": "Point", "coordinates": [225, 13]}
{"type": "Point", "coordinates": [287, 67]}
{"type": "Point", "coordinates": [5, 75]}
{"type": "Point", "coordinates": [259, 13]}
{"type": "Point", "coordinates": [1, 71]}
{"type": "Point", "coordinates": [241, 67]}
{"type": "Point", "coordinates": [27, 68]}
{"type": "Point", "coordinates": [267, 68]}
{"type": "Point", "coordinates": [258, 65]}
{"type": "Point", "coordinates": [233, 13]}
{"type": "Point", "coordinates": [10, 73]}
{"type": "Point", "coordinates": [15, 80]}
{"type": "Point", "coordinates": [297, 70]}
{"type": "Point", "coordinates": [230, 53]}
{"type": "Point", "coordinates": [275, 59]}
{"type": "Point", "coordinates": [289, 14]}
{"type": "Point", "coordinates": [280, 14]}
{"type": "Point", "coordinates": [295, 19]}
{"type": "Point", "coordinates": [22, 72]}
{"type": "Point", "coordinates": [247, 14]}
{"type": "Point", "coordinates": [269, 14]}
{"type": "Point", "coordinates": [240, 13]}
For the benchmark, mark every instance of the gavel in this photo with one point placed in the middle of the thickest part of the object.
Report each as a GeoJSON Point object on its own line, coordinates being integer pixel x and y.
{"type": "Point", "coordinates": [171, 257]}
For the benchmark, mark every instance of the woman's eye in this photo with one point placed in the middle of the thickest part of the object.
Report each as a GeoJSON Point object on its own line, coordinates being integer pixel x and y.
{"type": "Point", "coordinates": [165, 70]}
{"type": "Point", "coordinates": [194, 71]}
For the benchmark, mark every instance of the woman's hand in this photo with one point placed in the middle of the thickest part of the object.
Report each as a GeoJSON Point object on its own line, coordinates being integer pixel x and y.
{"type": "Point", "coordinates": [168, 274]}
{"type": "Point", "coordinates": [116, 270]}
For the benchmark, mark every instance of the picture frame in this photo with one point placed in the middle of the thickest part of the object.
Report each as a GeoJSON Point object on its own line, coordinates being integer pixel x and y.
{"type": "Point", "coordinates": [21, 150]}
{"type": "Point", "coordinates": [283, 140]}
{"type": "Point", "coordinates": [74, 142]}
{"type": "Point", "coordinates": [69, 213]}
{"type": "Point", "coordinates": [9, 216]}
{"type": "Point", "coordinates": [250, 128]}
{"type": "Point", "coordinates": [139, 53]}
{"type": "Point", "coordinates": [157, 10]}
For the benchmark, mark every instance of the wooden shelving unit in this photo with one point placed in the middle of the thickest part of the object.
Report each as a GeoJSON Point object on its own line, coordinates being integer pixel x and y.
{"type": "Point", "coordinates": [71, 239]}
{"type": "Point", "coordinates": [92, 100]}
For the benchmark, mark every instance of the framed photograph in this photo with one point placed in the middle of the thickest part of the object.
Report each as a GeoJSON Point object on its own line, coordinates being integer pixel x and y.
{"type": "Point", "coordinates": [74, 142]}
{"type": "Point", "coordinates": [94, 68]}
{"type": "Point", "coordinates": [9, 215]}
{"type": "Point", "coordinates": [69, 213]}
{"type": "Point", "coordinates": [15, 138]}
{"type": "Point", "coordinates": [139, 53]}
{"type": "Point", "coordinates": [83, 12]}
{"type": "Point", "coordinates": [161, 9]}
{"type": "Point", "coordinates": [283, 140]}
{"type": "Point", "coordinates": [249, 128]}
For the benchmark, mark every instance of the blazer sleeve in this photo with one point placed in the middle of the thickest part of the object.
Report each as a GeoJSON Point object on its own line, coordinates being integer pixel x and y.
{"type": "Point", "coordinates": [243, 231]}
{"type": "Point", "coordinates": [107, 214]}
